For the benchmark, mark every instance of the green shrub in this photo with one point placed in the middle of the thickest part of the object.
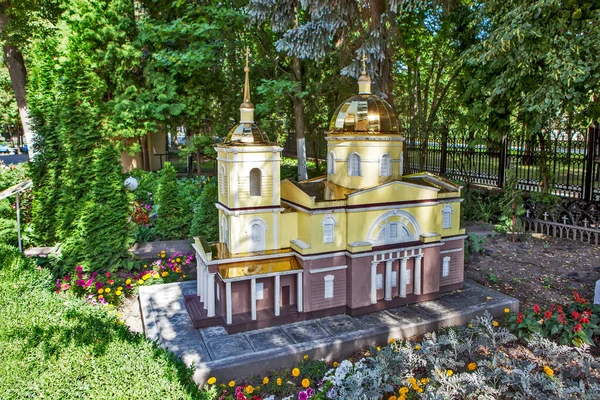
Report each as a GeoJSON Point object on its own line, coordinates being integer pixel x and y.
{"type": "Point", "coordinates": [206, 216]}
{"type": "Point", "coordinates": [102, 235]}
{"type": "Point", "coordinates": [172, 222]}
{"type": "Point", "coordinates": [60, 347]}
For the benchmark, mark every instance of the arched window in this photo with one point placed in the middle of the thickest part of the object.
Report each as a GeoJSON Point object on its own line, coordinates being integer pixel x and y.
{"type": "Point", "coordinates": [354, 165]}
{"type": "Point", "coordinates": [255, 182]}
{"type": "Point", "coordinates": [331, 163]}
{"type": "Point", "coordinates": [328, 227]}
{"type": "Point", "coordinates": [257, 233]}
{"type": "Point", "coordinates": [223, 229]}
{"type": "Point", "coordinates": [222, 179]}
{"type": "Point", "coordinates": [385, 165]}
{"type": "Point", "coordinates": [447, 212]}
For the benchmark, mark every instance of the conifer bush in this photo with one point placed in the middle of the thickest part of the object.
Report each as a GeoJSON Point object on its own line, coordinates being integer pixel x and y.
{"type": "Point", "coordinates": [206, 215]}
{"type": "Point", "coordinates": [172, 222]}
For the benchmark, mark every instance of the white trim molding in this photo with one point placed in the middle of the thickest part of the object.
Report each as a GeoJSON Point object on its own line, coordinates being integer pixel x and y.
{"type": "Point", "coordinates": [327, 269]}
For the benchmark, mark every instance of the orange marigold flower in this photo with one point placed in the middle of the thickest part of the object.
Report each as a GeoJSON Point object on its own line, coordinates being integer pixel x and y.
{"type": "Point", "coordinates": [403, 390]}
{"type": "Point", "coordinates": [548, 371]}
{"type": "Point", "coordinates": [472, 366]}
{"type": "Point", "coordinates": [305, 383]}
{"type": "Point", "coordinates": [249, 389]}
{"type": "Point", "coordinates": [231, 383]}
{"type": "Point", "coordinates": [495, 323]}
{"type": "Point", "coordinates": [278, 381]}
{"type": "Point", "coordinates": [211, 381]}
{"type": "Point", "coordinates": [335, 364]}
{"type": "Point", "coordinates": [295, 372]}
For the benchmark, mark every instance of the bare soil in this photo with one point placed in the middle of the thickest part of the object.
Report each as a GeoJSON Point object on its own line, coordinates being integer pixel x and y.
{"type": "Point", "coordinates": [538, 269]}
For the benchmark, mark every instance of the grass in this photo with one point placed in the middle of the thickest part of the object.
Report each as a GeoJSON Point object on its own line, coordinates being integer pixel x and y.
{"type": "Point", "coordinates": [54, 346]}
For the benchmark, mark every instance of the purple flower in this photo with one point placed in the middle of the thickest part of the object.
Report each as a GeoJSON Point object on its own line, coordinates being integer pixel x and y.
{"type": "Point", "coordinates": [80, 282]}
{"type": "Point", "coordinates": [310, 392]}
{"type": "Point", "coordinates": [79, 269]}
{"type": "Point", "coordinates": [67, 277]}
{"type": "Point", "coordinates": [79, 275]}
{"type": "Point", "coordinates": [302, 396]}
{"type": "Point", "coordinates": [94, 275]}
{"type": "Point", "coordinates": [128, 287]}
{"type": "Point", "coordinates": [98, 285]}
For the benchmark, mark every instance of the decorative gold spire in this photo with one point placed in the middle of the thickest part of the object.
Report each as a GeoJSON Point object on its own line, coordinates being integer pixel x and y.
{"type": "Point", "coordinates": [247, 108]}
{"type": "Point", "coordinates": [364, 82]}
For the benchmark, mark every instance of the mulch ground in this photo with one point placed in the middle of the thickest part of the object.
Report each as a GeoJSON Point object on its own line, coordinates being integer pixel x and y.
{"type": "Point", "coordinates": [537, 270]}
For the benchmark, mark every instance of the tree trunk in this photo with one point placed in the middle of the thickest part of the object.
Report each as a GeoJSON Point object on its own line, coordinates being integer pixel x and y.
{"type": "Point", "coordinates": [145, 156]}
{"type": "Point", "coordinates": [299, 121]}
{"type": "Point", "coordinates": [18, 78]}
{"type": "Point", "coordinates": [385, 68]}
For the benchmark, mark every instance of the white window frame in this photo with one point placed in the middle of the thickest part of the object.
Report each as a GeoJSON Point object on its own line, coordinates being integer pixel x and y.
{"type": "Point", "coordinates": [260, 291]}
{"type": "Point", "coordinates": [354, 164]}
{"type": "Point", "coordinates": [385, 165]}
{"type": "Point", "coordinates": [393, 230]}
{"type": "Point", "coordinates": [447, 212]}
{"type": "Point", "coordinates": [394, 278]}
{"type": "Point", "coordinates": [331, 163]}
{"type": "Point", "coordinates": [328, 291]}
{"type": "Point", "coordinates": [407, 276]}
{"type": "Point", "coordinates": [446, 267]}
{"type": "Point", "coordinates": [259, 245]}
{"type": "Point", "coordinates": [328, 225]}
{"type": "Point", "coordinates": [255, 188]}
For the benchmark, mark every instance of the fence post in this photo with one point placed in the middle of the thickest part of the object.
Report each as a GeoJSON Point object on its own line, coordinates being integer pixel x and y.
{"type": "Point", "coordinates": [504, 154]}
{"type": "Point", "coordinates": [444, 150]}
{"type": "Point", "coordinates": [588, 182]}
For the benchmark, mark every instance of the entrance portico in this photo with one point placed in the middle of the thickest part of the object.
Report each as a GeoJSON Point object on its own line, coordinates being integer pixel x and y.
{"type": "Point", "coordinates": [403, 278]}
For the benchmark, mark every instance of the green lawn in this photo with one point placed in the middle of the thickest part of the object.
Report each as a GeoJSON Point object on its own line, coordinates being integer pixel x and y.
{"type": "Point", "coordinates": [58, 347]}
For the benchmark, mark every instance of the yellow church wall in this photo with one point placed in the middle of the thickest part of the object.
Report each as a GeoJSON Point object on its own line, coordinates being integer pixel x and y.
{"type": "Point", "coordinates": [398, 191]}
{"type": "Point", "coordinates": [289, 228]}
{"type": "Point", "coordinates": [291, 192]}
{"type": "Point", "coordinates": [240, 231]}
{"type": "Point", "coordinates": [236, 193]}
{"type": "Point", "coordinates": [370, 153]}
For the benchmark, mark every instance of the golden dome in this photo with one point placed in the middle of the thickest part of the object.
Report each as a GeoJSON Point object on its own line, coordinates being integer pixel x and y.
{"type": "Point", "coordinates": [246, 133]}
{"type": "Point", "coordinates": [364, 113]}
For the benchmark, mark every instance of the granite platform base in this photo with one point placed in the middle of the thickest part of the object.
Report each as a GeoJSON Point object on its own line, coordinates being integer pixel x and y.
{"type": "Point", "coordinates": [216, 353]}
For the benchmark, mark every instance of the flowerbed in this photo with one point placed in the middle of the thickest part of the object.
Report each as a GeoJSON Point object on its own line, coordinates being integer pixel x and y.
{"type": "Point", "coordinates": [576, 323]}
{"type": "Point", "coordinates": [482, 360]}
{"type": "Point", "coordinates": [111, 288]}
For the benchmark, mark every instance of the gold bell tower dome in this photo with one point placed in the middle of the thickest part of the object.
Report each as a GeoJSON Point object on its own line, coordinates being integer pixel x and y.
{"type": "Point", "coordinates": [364, 143]}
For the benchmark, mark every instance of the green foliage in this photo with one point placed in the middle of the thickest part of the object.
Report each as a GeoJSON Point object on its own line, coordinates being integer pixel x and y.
{"type": "Point", "coordinates": [102, 236]}
{"type": "Point", "coordinates": [511, 206]}
{"type": "Point", "coordinates": [206, 216]}
{"type": "Point", "coordinates": [80, 350]}
{"type": "Point", "coordinates": [479, 206]}
{"type": "Point", "coordinates": [173, 218]}
{"type": "Point", "coordinates": [474, 244]}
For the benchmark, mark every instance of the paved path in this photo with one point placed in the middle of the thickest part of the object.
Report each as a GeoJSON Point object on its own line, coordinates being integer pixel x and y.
{"type": "Point", "coordinates": [216, 353]}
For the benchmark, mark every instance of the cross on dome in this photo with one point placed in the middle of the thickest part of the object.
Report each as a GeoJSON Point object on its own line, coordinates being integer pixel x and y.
{"type": "Point", "coordinates": [364, 82]}
{"type": "Point", "coordinates": [247, 108]}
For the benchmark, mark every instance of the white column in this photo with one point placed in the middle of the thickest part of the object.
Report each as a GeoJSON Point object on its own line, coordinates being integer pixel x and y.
{"type": "Point", "coordinates": [198, 278]}
{"type": "Point", "coordinates": [253, 299]}
{"type": "Point", "coordinates": [299, 291]}
{"type": "Point", "coordinates": [373, 282]}
{"type": "Point", "coordinates": [205, 289]}
{"type": "Point", "coordinates": [202, 285]}
{"type": "Point", "coordinates": [403, 277]}
{"type": "Point", "coordinates": [277, 290]}
{"type": "Point", "coordinates": [228, 302]}
{"type": "Point", "coordinates": [418, 268]}
{"type": "Point", "coordinates": [211, 295]}
{"type": "Point", "coordinates": [388, 280]}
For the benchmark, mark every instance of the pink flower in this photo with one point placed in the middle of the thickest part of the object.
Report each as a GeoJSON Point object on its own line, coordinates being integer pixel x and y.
{"type": "Point", "coordinates": [310, 392]}
{"type": "Point", "coordinates": [98, 285]}
{"type": "Point", "coordinates": [80, 282]}
{"type": "Point", "coordinates": [64, 286]}
{"type": "Point", "coordinates": [67, 277]}
{"type": "Point", "coordinates": [108, 274]}
{"type": "Point", "coordinates": [548, 314]}
{"type": "Point", "coordinates": [79, 268]}
{"type": "Point", "coordinates": [302, 395]}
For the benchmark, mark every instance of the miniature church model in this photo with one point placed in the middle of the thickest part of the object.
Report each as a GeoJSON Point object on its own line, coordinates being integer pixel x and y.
{"type": "Point", "coordinates": [363, 238]}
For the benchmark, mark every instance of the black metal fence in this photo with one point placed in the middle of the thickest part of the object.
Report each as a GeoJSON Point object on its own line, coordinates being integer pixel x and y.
{"type": "Point", "coordinates": [567, 161]}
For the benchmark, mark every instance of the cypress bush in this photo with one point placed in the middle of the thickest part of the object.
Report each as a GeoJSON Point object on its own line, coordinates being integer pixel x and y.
{"type": "Point", "coordinates": [103, 233]}
{"type": "Point", "coordinates": [172, 221]}
{"type": "Point", "coordinates": [206, 216]}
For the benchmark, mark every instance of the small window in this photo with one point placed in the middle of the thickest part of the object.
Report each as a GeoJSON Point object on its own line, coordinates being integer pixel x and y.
{"type": "Point", "coordinates": [393, 230]}
{"type": "Point", "coordinates": [223, 177]}
{"type": "Point", "coordinates": [260, 291]}
{"type": "Point", "coordinates": [331, 163]}
{"type": "Point", "coordinates": [385, 165]}
{"type": "Point", "coordinates": [447, 212]}
{"type": "Point", "coordinates": [218, 292]}
{"type": "Point", "coordinates": [394, 278]}
{"type": "Point", "coordinates": [354, 165]}
{"type": "Point", "coordinates": [255, 182]}
{"type": "Point", "coordinates": [446, 267]}
{"type": "Point", "coordinates": [379, 281]}
{"type": "Point", "coordinates": [256, 233]}
{"type": "Point", "coordinates": [407, 276]}
{"type": "Point", "coordinates": [328, 226]}
{"type": "Point", "coordinates": [329, 286]}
